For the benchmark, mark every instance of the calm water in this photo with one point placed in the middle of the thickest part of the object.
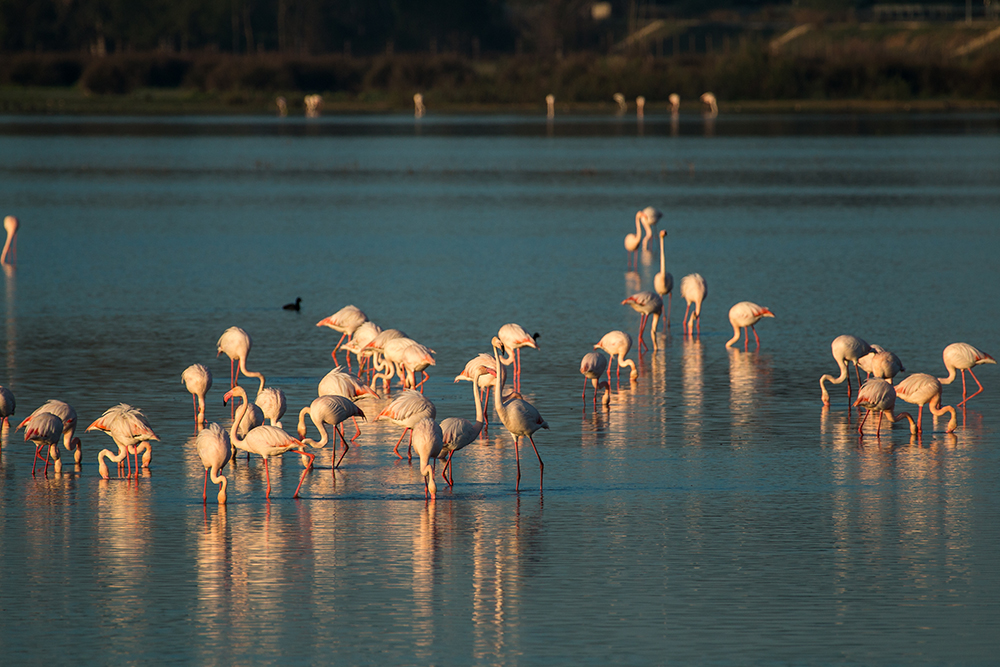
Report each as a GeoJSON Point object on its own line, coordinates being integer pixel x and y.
{"type": "Point", "coordinates": [716, 514]}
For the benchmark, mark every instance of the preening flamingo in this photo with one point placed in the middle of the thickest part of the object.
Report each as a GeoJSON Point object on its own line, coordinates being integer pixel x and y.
{"type": "Point", "coordinates": [328, 410]}
{"type": "Point", "coordinates": [844, 348]}
{"type": "Point", "coordinates": [130, 430]}
{"type": "Point", "coordinates": [647, 303]}
{"type": "Point", "coordinates": [514, 337]}
{"type": "Point", "coordinates": [236, 344]}
{"type": "Point", "coordinates": [962, 356]}
{"type": "Point", "coordinates": [347, 320]}
{"type": "Point", "coordinates": [8, 405]}
{"type": "Point", "coordinates": [632, 241]}
{"type": "Point", "coordinates": [67, 414]}
{"type": "Point", "coordinates": [650, 216]}
{"type": "Point", "coordinates": [663, 283]}
{"type": "Point", "coordinates": [266, 441]}
{"type": "Point", "coordinates": [272, 404]}
{"type": "Point", "coordinates": [694, 290]}
{"type": "Point", "coordinates": [877, 394]}
{"type": "Point", "coordinates": [197, 379]}
{"type": "Point", "coordinates": [215, 451]}
{"type": "Point", "coordinates": [519, 417]}
{"type": "Point", "coordinates": [617, 344]}
{"type": "Point", "coordinates": [406, 410]}
{"type": "Point", "coordinates": [746, 314]}
{"type": "Point", "coordinates": [592, 366]}
{"type": "Point", "coordinates": [456, 432]}
{"type": "Point", "coordinates": [45, 430]}
{"type": "Point", "coordinates": [921, 388]}
{"type": "Point", "coordinates": [9, 255]}
{"type": "Point", "coordinates": [427, 442]}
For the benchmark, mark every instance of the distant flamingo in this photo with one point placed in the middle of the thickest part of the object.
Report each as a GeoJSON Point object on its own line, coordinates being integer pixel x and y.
{"type": "Point", "coordinates": [130, 430]}
{"type": "Point", "coordinates": [632, 241]}
{"type": "Point", "coordinates": [456, 432]}
{"type": "Point", "coordinates": [650, 216]}
{"type": "Point", "coordinates": [45, 431]}
{"type": "Point", "coordinates": [694, 290]}
{"type": "Point", "coordinates": [514, 337]}
{"type": "Point", "coordinates": [844, 348]}
{"type": "Point", "coordinates": [921, 388]}
{"type": "Point", "coordinates": [347, 320]}
{"type": "Point", "coordinates": [427, 442]}
{"type": "Point", "coordinates": [197, 379]}
{"type": "Point", "coordinates": [617, 344]}
{"type": "Point", "coordinates": [9, 255]}
{"type": "Point", "coordinates": [647, 303]}
{"type": "Point", "coordinates": [67, 414]}
{"type": "Point", "coordinates": [272, 404]}
{"type": "Point", "coordinates": [215, 451]}
{"type": "Point", "coordinates": [519, 417]}
{"type": "Point", "coordinates": [962, 356]}
{"type": "Point", "coordinates": [406, 410]}
{"type": "Point", "coordinates": [7, 406]}
{"type": "Point", "coordinates": [743, 315]}
{"type": "Point", "coordinates": [877, 394]}
{"type": "Point", "coordinates": [675, 103]}
{"type": "Point", "coordinates": [236, 344]}
{"type": "Point", "coordinates": [592, 366]}
{"type": "Point", "coordinates": [328, 410]}
{"type": "Point", "coordinates": [266, 441]}
{"type": "Point", "coordinates": [663, 283]}
{"type": "Point", "coordinates": [713, 105]}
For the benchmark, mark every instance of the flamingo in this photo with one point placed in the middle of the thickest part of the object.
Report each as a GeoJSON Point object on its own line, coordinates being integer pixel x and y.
{"type": "Point", "coordinates": [921, 388]}
{"type": "Point", "coordinates": [236, 344]}
{"type": "Point", "coordinates": [456, 432]}
{"type": "Point", "coordinates": [663, 283]}
{"type": "Point", "coordinates": [197, 379]}
{"type": "Point", "coordinates": [416, 359]}
{"type": "Point", "coordinates": [427, 441]}
{"type": "Point", "coordinates": [962, 356]}
{"type": "Point", "coordinates": [632, 241]}
{"type": "Point", "coordinates": [7, 406]}
{"type": "Point", "coordinates": [593, 366]}
{"type": "Point", "coordinates": [618, 343]}
{"type": "Point", "coordinates": [272, 404]}
{"type": "Point", "coordinates": [713, 105]}
{"type": "Point", "coordinates": [485, 380]}
{"type": "Point", "coordinates": [330, 410]}
{"type": "Point", "coordinates": [519, 417]}
{"type": "Point", "coordinates": [390, 362]}
{"type": "Point", "coordinates": [364, 334]}
{"type": "Point", "coordinates": [347, 320]}
{"type": "Point", "coordinates": [9, 255]}
{"type": "Point", "coordinates": [647, 303]}
{"type": "Point", "coordinates": [650, 216]}
{"type": "Point", "coordinates": [746, 314]}
{"type": "Point", "coordinates": [267, 441]}
{"type": "Point", "coordinates": [694, 289]}
{"type": "Point", "coordinates": [215, 451]}
{"type": "Point", "coordinates": [45, 431]}
{"type": "Point", "coordinates": [130, 430]}
{"type": "Point", "coordinates": [844, 348]}
{"type": "Point", "coordinates": [67, 414]}
{"type": "Point", "coordinates": [376, 347]}
{"type": "Point", "coordinates": [514, 337]}
{"type": "Point", "coordinates": [877, 394]}
{"type": "Point", "coordinates": [675, 103]}
{"type": "Point", "coordinates": [881, 363]}
{"type": "Point", "coordinates": [406, 410]}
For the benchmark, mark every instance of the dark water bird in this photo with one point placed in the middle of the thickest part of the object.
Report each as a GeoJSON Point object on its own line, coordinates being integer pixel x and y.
{"type": "Point", "coordinates": [294, 306]}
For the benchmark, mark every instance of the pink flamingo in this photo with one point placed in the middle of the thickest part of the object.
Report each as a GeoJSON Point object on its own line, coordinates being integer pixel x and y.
{"type": "Point", "coordinates": [427, 441]}
{"type": "Point", "coordinates": [365, 334]}
{"type": "Point", "coordinates": [215, 451]}
{"type": "Point", "coordinates": [694, 290]}
{"type": "Point", "coordinates": [877, 394]}
{"type": "Point", "coordinates": [406, 410]}
{"type": "Point", "coordinates": [844, 348]}
{"type": "Point", "coordinates": [646, 303]}
{"type": "Point", "coordinates": [746, 314]}
{"type": "Point", "coordinates": [45, 431]}
{"type": "Point", "coordinates": [649, 217]}
{"type": "Point", "coordinates": [236, 344]}
{"type": "Point", "coordinates": [632, 241]}
{"type": "Point", "coordinates": [347, 320]}
{"type": "Point", "coordinates": [272, 404]}
{"type": "Point", "coordinates": [330, 410]}
{"type": "Point", "coordinates": [130, 430]}
{"type": "Point", "coordinates": [921, 388]}
{"type": "Point", "coordinates": [485, 381]}
{"type": "Point", "coordinates": [663, 283]}
{"type": "Point", "coordinates": [592, 366]}
{"type": "Point", "coordinates": [519, 417]}
{"type": "Point", "coordinates": [197, 379]}
{"type": "Point", "coordinates": [514, 337]}
{"type": "Point", "coordinates": [67, 414]}
{"type": "Point", "coordinates": [962, 356]}
{"type": "Point", "coordinates": [617, 344]}
{"type": "Point", "coordinates": [267, 441]}
{"type": "Point", "coordinates": [457, 432]}
{"type": "Point", "coordinates": [9, 255]}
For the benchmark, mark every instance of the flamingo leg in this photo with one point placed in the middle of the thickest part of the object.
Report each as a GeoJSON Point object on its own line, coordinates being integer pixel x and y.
{"type": "Point", "coordinates": [754, 330]}
{"type": "Point", "coordinates": [409, 447]}
{"type": "Point", "coordinates": [878, 428]}
{"type": "Point", "coordinates": [358, 430]}
{"type": "Point", "coordinates": [395, 450]}
{"type": "Point", "coordinates": [517, 458]}
{"type": "Point", "coordinates": [541, 466]}
{"type": "Point", "coordinates": [980, 390]}
{"type": "Point", "coordinates": [302, 478]}
{"type": "Point", "coordinates": [45, 470]}
{"type": "Point", "coordinates": [698, 322]}
{"type": "Point", "coordinates": [670, 300]}
{"type": "Point", "coordinates": [267, 474]}
{"type": "Point", "coordinates": [194, 401]}
{"type": "Point", "coordinates": [204, 491]}
{"type": "Point", "coordinates": [35, 460]}
{"type": "Point", "coordinates": [447, 468]}
{"type": "Point", "coordinates": [862, 424]}
{"type": "Point", "coordinates": [684, 322]}
{"type": "Point", "coordinates": [920, 416]}
{"type": "Point", "coordinates": [346, 447]}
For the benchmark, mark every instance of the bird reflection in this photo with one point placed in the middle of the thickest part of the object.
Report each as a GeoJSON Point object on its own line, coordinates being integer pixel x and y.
{"type": "Point", "coordinates": [693, 391]}
{"type": "Point", "coordinates": [749, 373]}
{"type": "Point", "coordinates": [632, 282]}
{"type": "Point", "coordinates": [425, 555]}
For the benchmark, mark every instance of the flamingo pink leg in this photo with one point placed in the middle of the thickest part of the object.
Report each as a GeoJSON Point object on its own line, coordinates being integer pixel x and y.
{"type": "Point", "coordinates": [920, 416]}
{"type": "Point", "coordinates": [862, 424]}
{"type": "Point", "coordinates": [878, 428]}
{"type": "Point", "coordinates": [517, 458]}
{"type": "Point", "coordinates": [395, 450]}
{"type": "Point", "coordinates": [541, 466]}
{"type": "Point", "coordinates": [346, 447]}
{"type": "Point", "coordinates": [267, 475]}
{"type": "Point", "coordinates": [964, 399]}
{"type": "Point", "coordinates": [302, 478]}
{"type": "Point", "coordinates": [358, 429]}
{"type": "Point", "coordinates": [204, 491]}
{"type": "Point", "coordinates": [684, 323]}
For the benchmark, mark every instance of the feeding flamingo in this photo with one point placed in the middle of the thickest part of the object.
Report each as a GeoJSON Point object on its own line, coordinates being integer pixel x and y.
{"type": "Point", "coordinates": [663, 283]}
{"type": "Point", "coordinates": [844, 348]}
{"type": "Point", "coordinates": [877, 394]}
{"type": "Point", "coordinates": [921, 388]}
{"type": "Point", "coordinates": [45, 430]}
{"type": "Point", "coordinates": [456, 432]}
{"type": "Point", "coordinates": [365, 334]}
{"type": "Point", "coordinates": [514, 337]}
{"type": "Point", "coordinates": [197, 379]}
{"type": "Point", "coordinates": [647, 303]}
{"type": "Point", "coordinates": [406, 410]}
{"type": "Point", "coordinates": [9, 255]}
{"type": "Point", "coordinates": [618, 343]}
{"type": "Point", "coordinates": [130, 430]}
{"type": "Point", "coordinates": [67, 414]}
{"type": "Point", "coordinates": [485, 381]}
{"type": "Point", "coordinates": [743, 315]}
{"type": "Point", "coordinates": [962, 356]}
{"type": "Point", "coordinates": [519, 417]}
{"type": "Point", "coordinates": [650, 216]}
{"type": "Point", "coordinates": [272, 404]}
{"type": "Point", "coordinates": [592, 366]}
{"type": "Point", "coordinates": [632, 241]}
{"type": "Point", "coordinates": [329, 410]}
{"type": "Point", "coordinates": [236, 344]}
{"type": "Point", "coordinates": [427, 441]}
{"type": "Point", "coordinates": [215, 450]}
{"type": "Point", "coordinates": [347, 320]}
{"type": "Point", "coordinates": [694, 290]}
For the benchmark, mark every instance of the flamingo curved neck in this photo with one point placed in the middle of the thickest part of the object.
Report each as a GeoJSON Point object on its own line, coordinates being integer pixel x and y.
{"type": "Point", "coordinates": [241, 411]}
{"type": "Point", "coordinates": [498, 383]}
{"type": "Point", "coordinates": [951, 376]}
{"type": "Point", "coordinates": [663, 264]}
{"type": "Point", "coordinates": [479, 402]}
{"type": "Point", "coordinates": [736, 336]}
{"type": "Point", "coordinates": [10, 241]}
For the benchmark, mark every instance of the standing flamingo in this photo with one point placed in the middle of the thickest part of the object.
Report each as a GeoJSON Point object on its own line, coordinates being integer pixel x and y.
{"type": "Point", "coordinates": [67, 414]}
{"type": "Point", "coordinates": [236, 344]}
{"type": "Point", "coordinates": [694, 289]}
{"type": "Point", "coordinates": [618, 343]}
{"type": "Point", "coordinates": [456, 432]}
{"type": "Point", "coordinates": [330, 410]}
{"type": "Point", "coordinates": [746, 314]}
{"type": "Point", "coordinates": [514, 337]}
{"type": "Point", "coordinates": [347, 320]}
{"type": "Point", "coordinates": [650, 216]}
{"type": "Point", "coordinates": [406, 410]}
{"type": "Point", "coordinates": [921, 388]}
{"type": "Point", "coordinates": [485, 381]}
{"type": "Point", "coordinates": [519, 417]}
{"type": "Point", "coordinates": [9, 255]}
{"type": "Point", "coordinates": [844, 348]}
{"type": "Point", "coordinates": [592, 366]}
{"type": "Point", "coordinates": [215, 451]}
{"type": "Point", "coordinates": [130, 430]}
{"type": "Point", "coordinates": [272, 404]}
{"type": "Point", "coordinates": [267, 441]}
{"type": "Point", "coordinates": [632, 241]}
{"type": "Point", "coordinates": [45, 430]}
{"type": "Point", "coordinates": [647, 303]}
{"type": "Point", "coordinates": [8, 404]}
{"type": "Point", "coordinates": [663, 283]}
{"type": "Point", "coordinates": [962, 356]}
{"type": "Point", "coordinates": [427, 441]}
{"type": "Point", "coordinates": [877, 394]}
{"type": "Point", "coordinates": [197, 379]}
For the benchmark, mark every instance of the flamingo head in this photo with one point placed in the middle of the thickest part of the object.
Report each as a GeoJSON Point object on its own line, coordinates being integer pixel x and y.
{"type": "Point", "coordinates": [498, 345]}
{"type": "Point", "coordinates": [663, 233]}
{"type": "Point", "coordinates": [235, 391]}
